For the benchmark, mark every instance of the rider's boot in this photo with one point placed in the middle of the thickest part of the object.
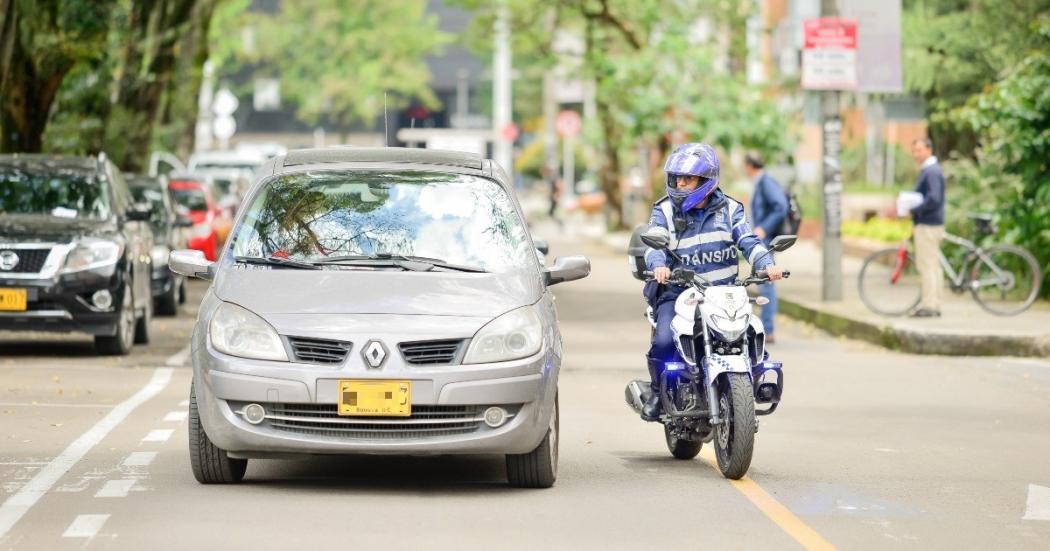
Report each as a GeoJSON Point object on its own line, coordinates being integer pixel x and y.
{"type": "Point", "coordinates": [652, 409]}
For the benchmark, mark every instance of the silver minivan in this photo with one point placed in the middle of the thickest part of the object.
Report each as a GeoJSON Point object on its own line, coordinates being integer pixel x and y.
{"type": "Point", "coordinates": [381, 301]}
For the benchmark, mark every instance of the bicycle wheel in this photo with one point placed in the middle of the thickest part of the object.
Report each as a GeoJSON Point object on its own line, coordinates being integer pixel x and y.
{"type": "Point", "coordinates": [1006, 281]}
{"type": "Point", "coordinates": [889, 284]}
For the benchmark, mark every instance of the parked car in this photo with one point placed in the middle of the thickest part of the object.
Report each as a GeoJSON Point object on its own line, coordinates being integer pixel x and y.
{"type": "Point", "coordinates": [377, 300]}
{"type": "Point", "coordinates": [194, 193]}
{"type": "Point", "coordinates": [74, 250]}
{"type": "Point", "coordinates": [169, 233]}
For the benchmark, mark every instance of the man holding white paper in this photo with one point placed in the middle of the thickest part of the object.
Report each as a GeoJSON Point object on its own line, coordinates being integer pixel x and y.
{"type": "Point", "coordinates": [928, 217]}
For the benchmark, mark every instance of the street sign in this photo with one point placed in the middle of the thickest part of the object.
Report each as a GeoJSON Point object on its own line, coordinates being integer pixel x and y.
{"type": "Point", "coordinates": [509, 132]}
{"type": "Point", "coordinates": [568, 123]}
{"type": "Point", "coordinates": [224, 127]}
{"type": "Point", "coordinates": [829, 55]}
{"type": "Point", "coordinates": [225, 103]}
{"type": "Point", "coordinates": [878, 44]}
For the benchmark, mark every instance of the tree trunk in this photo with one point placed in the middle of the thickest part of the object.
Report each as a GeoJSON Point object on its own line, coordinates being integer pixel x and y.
{"type": "Point", "coordinates": [609, 174]}
{"type": "Point", "coordinates": [182, 97]}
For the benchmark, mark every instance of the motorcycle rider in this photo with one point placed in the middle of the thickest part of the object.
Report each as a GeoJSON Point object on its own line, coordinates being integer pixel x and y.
{"type": "Point", "coordinates": [707, 227]}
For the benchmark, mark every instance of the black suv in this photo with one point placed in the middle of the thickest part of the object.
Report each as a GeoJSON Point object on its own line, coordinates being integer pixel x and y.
{"type": "Point", "coordinates": [170, 233]}
{"type": "Point", "coordinates": [74, 250]}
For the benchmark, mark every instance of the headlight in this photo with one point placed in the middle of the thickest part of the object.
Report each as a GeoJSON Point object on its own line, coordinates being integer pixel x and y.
{"type": "Point", "coordinates": [89, 254]}
{"type": "Point", "coordinates": [159, 254]}
{"type": "Point", "coordinates": [238, 332]}
{"type": "Point", "coordinates": [731, 330]}
{"type": "Point", "coordinates": [516, 334]}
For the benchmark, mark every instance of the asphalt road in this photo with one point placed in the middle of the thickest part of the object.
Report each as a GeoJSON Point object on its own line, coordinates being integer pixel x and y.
{"type": "Point", "coordinates": [870, 450]}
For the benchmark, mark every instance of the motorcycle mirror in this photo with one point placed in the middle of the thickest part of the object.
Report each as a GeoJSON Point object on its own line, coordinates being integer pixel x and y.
{"type": "Point", "coordinates": [782, 242]}
{"type": "Point", "coordinates": [657, 238]}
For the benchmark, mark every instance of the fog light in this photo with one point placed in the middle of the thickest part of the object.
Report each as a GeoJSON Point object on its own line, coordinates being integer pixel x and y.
{"type": "Point", "coordinates": [674, 366]}
{"type": "Point", "coordinates": [495, 416]}
{"type": "Point", "coordinates": [254, 414]}
{"type": "Point", "coordinates": [102, 300]}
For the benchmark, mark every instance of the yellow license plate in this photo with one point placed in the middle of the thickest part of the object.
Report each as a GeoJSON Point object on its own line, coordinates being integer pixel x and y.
{"type": "Point", "coordinates": [13, 300]}
{"type": "Point", "coordinates": [375, 398]}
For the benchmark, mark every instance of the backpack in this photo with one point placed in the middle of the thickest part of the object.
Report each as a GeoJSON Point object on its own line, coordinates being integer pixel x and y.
{"type": "Point", "coordinates": [793, 218]}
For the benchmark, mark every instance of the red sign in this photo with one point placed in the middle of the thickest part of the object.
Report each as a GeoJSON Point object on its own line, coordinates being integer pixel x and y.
{"type": "Point", "coordinates": [829, 55]}
{"type": "Point", "coordinates": [568, 124]}
{"type": "Point", "coordinates": [509, 132]}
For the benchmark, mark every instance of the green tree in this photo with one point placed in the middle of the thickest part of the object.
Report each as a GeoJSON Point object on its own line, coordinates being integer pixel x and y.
{"type": "Point", "coordinates": [337, 59]}
{"type": "Point", "coordinates": [41, 41]}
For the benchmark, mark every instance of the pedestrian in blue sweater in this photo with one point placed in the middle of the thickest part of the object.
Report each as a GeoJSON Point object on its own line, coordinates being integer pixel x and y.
{"type": "Point", "coordinates": [769, 206]}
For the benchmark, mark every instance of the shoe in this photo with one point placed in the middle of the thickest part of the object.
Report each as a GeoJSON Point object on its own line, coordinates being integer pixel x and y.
{"type": "Point", "coordinates": [926, 313]}
{"type": "Point", "coordinates": [651, 410]}
{"type": "Point", "coordinates": [770, 339]}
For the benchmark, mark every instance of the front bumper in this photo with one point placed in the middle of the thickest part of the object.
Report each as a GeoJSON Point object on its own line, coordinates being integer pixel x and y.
{"type": "Point", "coordinates": [64, 304]}
{"type": "Point", "coordinates": [225, 384]}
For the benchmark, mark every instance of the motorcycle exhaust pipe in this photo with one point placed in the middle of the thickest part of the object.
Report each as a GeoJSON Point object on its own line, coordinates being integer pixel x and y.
{"type": "Point", "coordinates": [636, 393]}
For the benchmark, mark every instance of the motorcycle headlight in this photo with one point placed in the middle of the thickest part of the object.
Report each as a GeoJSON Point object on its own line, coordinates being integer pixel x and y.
{"type": "Point", "coordinates": [159, 254]}
{"type": "Point", "coordinates": [730, 329]}
{"type": "Point", "coordinates": [90, 254]}
{"type": "Point", "coordinates": [238, 332]}
{"type": "Point", "coordinates": [516, 334]}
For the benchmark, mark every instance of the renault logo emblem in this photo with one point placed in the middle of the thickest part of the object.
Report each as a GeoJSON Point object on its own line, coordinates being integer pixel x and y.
{"type": "Point", "coordinates": [374, 354]}
{"type": "Point", "coordinates": [8, 260]}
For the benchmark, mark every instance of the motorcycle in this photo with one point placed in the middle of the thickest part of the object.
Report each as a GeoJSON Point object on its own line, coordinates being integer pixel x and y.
{"type": "Point", "coordinates": [712, 390]}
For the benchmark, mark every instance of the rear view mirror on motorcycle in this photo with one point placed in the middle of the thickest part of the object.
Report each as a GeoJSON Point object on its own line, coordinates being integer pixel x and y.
{"type": "Point", "coordinates": [657, 238]}
{"type": "Point", "coordinates": [782, 243]}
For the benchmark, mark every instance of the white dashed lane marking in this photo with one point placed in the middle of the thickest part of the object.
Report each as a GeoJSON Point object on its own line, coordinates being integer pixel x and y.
{"type": "Point", "coordinates": [139, 459]}
{"type": "Point", "coordinates": [184, 404]}
{"type": "Point", "coordinates": [85, 526]}
{"type": "Point", "coordinates": [158, 435]}
{"type": "Point", "coordinates": [1038, 507]}
{"type": "Point", "coordinates": [176, 416]}
{"type": "Point", "coordinates": [116, 488]}
{"type": "Point", "coordinates": [179, 358]}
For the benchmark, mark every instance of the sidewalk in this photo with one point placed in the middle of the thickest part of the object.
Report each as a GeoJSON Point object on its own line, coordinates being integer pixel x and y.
{"type": "Point", "coordinates": [964, 330]}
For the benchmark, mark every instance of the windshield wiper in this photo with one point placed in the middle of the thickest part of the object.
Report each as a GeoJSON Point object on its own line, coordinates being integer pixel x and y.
{"type": "Point", "coordinates": [277, 261]}
{"type": "Point", "coordinates": [414, 263]}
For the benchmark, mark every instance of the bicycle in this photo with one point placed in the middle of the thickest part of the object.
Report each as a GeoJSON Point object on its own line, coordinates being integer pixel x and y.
{"type": "Point", "coordinates": [1003, 279]}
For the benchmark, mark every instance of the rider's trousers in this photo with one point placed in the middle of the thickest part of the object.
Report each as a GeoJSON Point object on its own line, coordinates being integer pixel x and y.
{"type": "Point", "coordinates": [662, 349]}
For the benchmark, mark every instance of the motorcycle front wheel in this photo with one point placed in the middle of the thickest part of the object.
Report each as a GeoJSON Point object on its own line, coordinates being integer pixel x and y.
{"type": "Point", "coordinates": [735, 435]}
{"type": "Point", "coordinates": [681, 449]}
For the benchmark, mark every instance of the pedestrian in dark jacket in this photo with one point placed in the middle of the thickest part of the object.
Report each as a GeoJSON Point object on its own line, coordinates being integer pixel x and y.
{"type": "Point", "coordinates": [928, 218]}
{"type": "Point", "coordinates": [769, 206]}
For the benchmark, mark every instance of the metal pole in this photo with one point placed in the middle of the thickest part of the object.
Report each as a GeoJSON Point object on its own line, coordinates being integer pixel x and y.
{"type": "Point", "coordinates": [569, 166]}
{"type": "Point", "coordinates": [501, 90]}
{"type": "Point", "coordinates": [831, 125]}
{"type": "Point", "coordinates": [550, 137]}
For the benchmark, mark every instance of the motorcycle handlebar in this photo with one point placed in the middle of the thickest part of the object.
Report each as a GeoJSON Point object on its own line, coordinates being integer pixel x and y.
{"type": "Point", "coordinates": [685, 277]}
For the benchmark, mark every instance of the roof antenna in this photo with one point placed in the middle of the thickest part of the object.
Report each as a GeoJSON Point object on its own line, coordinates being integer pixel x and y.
{"type": "Point", "coordinates": [386, 123]}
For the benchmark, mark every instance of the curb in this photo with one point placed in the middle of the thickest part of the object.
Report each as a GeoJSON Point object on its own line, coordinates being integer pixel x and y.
{"type": "Point", "coordinates": [914, 342]}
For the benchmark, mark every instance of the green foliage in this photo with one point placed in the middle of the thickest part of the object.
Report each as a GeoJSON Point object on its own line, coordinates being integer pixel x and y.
{"type": "Point", "coordinates": [1012, 176]}
{"type": "Point", "coordinates": [889, 230]}
{"type": "Point", "coordinates": [336, 61]}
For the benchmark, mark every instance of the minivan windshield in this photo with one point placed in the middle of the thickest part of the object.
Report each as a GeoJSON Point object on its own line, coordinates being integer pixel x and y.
{"type": "Point", "coordinates": [55, 192]}
{"type": "Point", "coordinates": [314, 216]}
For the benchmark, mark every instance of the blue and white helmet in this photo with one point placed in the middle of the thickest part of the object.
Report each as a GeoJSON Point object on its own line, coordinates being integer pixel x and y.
{"type": "Point", "coordinates": [692, 159]}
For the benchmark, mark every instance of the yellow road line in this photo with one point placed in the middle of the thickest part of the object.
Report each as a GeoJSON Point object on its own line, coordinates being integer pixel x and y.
{"type": "Point", "coordinates": [773, 509]}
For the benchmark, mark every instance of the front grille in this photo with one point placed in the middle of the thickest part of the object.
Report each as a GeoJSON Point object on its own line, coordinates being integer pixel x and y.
{"type": "Point", "coordinates": [323, 420]}
{"type": "Point", "coordinates": [430, 352]}
{"type": "Point", "coordinates": [30, 261]}
{"type": "Point", "coordinates": [319, 350]}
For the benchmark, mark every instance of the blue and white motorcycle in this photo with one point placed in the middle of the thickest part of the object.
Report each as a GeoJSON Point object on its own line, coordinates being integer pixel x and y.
{"type": "Point", "coordinates": [711, 390]}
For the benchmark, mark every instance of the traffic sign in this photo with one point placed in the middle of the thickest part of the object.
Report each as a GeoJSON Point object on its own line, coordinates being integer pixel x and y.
{"type": "Point", "coordinates": [568, 123]}
{"type": "Point", "coordinates": [829, 55]}
{"type": "Point", "coordinates": [225, 103]}
{"type": "Point", "coordinates": [224, 127]}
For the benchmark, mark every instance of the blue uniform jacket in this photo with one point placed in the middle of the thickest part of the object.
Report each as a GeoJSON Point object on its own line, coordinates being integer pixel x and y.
{"type": "Point", "coordinates": [710, 240]}
{"type": "Point", "coordinates": [769, 205]}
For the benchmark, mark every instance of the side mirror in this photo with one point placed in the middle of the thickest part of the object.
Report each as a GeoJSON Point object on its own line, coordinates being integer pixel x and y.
{"type": "Point", "coordinates": [541, 245]}
{"type": "Point", "coordinates": [139, 213]}
{"type": "Point", "coordinates": [657, 238]}
{"type": "Point", "coordinates": [190, 263]}
{"type": "Point", "coordinates": [782, 243]}
{"type": "Point", "coordinates": [182, 221]}
{"type": "Point", "coordinates": [568, 268]}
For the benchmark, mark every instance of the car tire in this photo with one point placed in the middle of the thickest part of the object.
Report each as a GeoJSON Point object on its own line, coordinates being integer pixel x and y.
{"type": "Point", "coordinates": [538, 468]}
{"type": "Point", "coordinates": [182, 291]}
{"type": "Point", "coordinates": [142, 324]}
{"type": "Point", "coordinates": [168, 303]}
{"type": "Point", "coordinates": [210, 464]}
{"type": "Point", "coordinates": [120, 343]}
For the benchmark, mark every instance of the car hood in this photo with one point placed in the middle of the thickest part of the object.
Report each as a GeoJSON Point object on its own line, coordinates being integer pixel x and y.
{"type": "Point", "coordinates": [290, 291]}
{"type": "Point", "coordinates": [52, 229]}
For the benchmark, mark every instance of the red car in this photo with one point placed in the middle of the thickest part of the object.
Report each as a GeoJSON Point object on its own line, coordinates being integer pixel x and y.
{"type": "Point", "coordinates": [193, 193]}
